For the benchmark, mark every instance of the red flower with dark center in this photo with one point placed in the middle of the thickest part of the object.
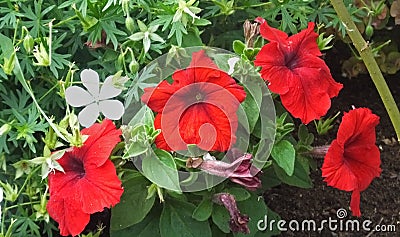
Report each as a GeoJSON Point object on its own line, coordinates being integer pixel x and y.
{"type": "Point", "coordinates": [353, 159]}
{"type": "Point", "coordinates": [199, 107]}
{"type": "Point", "coordinates": [294, 70]}
{"type": "Point", "coordinates": [90, 182]}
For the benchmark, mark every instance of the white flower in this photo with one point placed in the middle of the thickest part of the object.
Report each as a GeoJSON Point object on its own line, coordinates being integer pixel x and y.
{"type": "Point", "coordinates": [95, 99]}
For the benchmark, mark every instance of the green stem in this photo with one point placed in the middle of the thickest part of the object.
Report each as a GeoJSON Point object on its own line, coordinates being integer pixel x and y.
{"type": "Point", "coordinates": [367, 56]}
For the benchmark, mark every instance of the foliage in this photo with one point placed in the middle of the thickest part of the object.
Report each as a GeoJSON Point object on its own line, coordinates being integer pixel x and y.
{"type": "Point", "coordinates": [45, 43]}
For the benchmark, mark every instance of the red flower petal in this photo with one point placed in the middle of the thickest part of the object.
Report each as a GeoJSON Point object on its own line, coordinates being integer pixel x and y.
{"type": "Point", "coordinates": [101, 141]}
{"type": "Point", "coordinates": [200, 59]}
{"type": "Point", "coordinates": [90, 182]}
{"type": "Point", "coordinates": [346, 166]}
{"type": "Point", "coordinates": [355, 203]}
{"type": "Point", "coordinates": [293, 69]}
{"type": "Point", "coordinates": [270, 33]}
{"type": "Point", "coordinates": [69, 215]}
{"type": "Point", "coordinates": [199, 107]}
{"type": "Point", "coordinates": [99, 188]}
{"type": "Point", "coordinates": [157, 97]}
{"type": "Point", "coordinates": [202, 124]}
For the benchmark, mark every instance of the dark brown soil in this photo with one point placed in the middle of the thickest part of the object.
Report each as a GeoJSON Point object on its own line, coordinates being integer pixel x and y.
{"type": "Point", "coordinates": [380, 203]}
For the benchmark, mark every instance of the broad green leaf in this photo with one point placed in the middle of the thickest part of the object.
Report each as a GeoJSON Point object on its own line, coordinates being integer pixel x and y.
{"type": "Point", "coordinates": [284, 154]}
{"type": "Point", "coordinates": [133, 206]}
{"type": "Point", "coordinates": [149, 226]}
{"type": "Point", "coordinates": [220, 217]}
{"type": "Point", "coordinates": [161, 170]}
{"type": "Point", "coordinates": [240, 194]}
{"type": "Point", "coordinates": [176, 220]}
{"type": "Point", "coordinates": [256, 209]}
{"type": "Point", "coordinates": [300, 177]}
{"type": "Point", "coordinates": [203, 210]}
{"type": "Point", "coordinates": [238, 46]}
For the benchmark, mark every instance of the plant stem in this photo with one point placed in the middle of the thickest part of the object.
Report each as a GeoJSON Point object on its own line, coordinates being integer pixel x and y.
{"type": "Point", "coordinates": [367, 56]}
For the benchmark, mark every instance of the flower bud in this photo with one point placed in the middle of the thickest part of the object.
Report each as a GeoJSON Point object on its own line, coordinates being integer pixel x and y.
{"type": "Point", "coordinates": [9, 63]}
{"type": "Point", "coordinates": [5, 129]}
{"type": "Point", "coordinates": [133, 66]}
{"type": "Point", "coordinates": [369, 31]}
{"type": "Point", "coordinates": [130, 24]}
{"type": "Point", "coordinates": [28, 43]}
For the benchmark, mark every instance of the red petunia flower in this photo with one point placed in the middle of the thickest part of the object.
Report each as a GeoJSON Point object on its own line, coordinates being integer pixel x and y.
{"type": "Point", "coordinates": [353, 159]}
{"type": "Point", "coordinates": [90, 182]}
{"type": "Point", "coordinates": [199, 107]}
{"type": "Point", "coordinates": [295, 71]}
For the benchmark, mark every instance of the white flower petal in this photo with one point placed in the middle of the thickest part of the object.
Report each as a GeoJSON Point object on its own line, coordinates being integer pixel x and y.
{"type": "Point", "coordinates": [232, 62]}
{"type": "Point", "coordinates": [108, 90]}
{"type": "Point", "coordinates": [77, 96]}
{"type": "Point", "coordinates": [88, 115]}
{"type": "Point", "coordinates": [90, 80]}
{"type": "Point", "coordinates": [112, 109]}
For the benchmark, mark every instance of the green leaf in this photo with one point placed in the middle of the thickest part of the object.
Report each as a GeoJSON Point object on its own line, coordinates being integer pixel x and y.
{"type": "Point", "coordinates": [201, 22]}
{"type": "Point", "coordinates": [238, 46]}
{"type": "Point", "coordinates": [143, 116]}
{"type": "Point", "coordinates": [240, 194]}
{"type": "Point", "coordinates": [300, 177]}
{"type": "Point", "coordinates": [176, 220]}
{"type": "Point", "coordinates": [220, 217]}
{"type": "Point", "coordinates": [284, 154]}
{"type": "Point", "coordinates": [252, 103]}
{"type": "Point", "coordinates": [133, 206]}
{"type": "Point", "coordinates": [161, 170]}
{"type": "Point", "coordinates": [149, 226]}
{"type": "Point", "coordinates": [137, 36]}
{"type": "Point", "coordinates": [203, 210]}
{"type": "Point", "coordinates": [256, 209]}
{"type": "Point", "coordinates": [142, 26]}
{"type": "Point", "coordinates": [155, 37]}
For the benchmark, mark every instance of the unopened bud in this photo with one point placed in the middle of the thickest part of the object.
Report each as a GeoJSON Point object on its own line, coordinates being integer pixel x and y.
{"type": "Point", "coordinates": [130, 24]}
{"type": "Point", "coordinates": [133, 66]}
{"type": "Point", "coordinates": [28, 43]}
{"type": "Point", "coordinates": [369, 31]}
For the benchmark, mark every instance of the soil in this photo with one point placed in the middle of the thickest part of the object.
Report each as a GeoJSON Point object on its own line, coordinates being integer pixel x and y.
{"type": "Point", "coordinates": [380, 203]}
